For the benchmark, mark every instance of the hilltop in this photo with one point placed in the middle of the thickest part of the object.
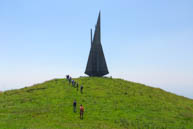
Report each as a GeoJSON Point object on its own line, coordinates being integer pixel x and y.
{"type": "Point", "coordinates": [109, 104]}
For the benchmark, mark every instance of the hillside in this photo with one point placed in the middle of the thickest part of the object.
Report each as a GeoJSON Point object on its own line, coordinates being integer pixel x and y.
{"type": "Point", "coordinates": [109, 104]}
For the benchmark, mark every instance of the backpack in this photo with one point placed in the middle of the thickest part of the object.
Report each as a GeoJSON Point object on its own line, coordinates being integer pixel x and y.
{"type": "Point", "coordinates": [81, 109]}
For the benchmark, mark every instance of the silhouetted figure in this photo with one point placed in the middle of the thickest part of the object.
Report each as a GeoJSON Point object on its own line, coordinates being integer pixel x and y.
{"type": "Point", "coordinates": [72, 82]}
{"type": "Point", "coordinates": [81, 89]}
{"type": "Point", "coordinates": [74, 105]}
{"type": "Point", "coordinates": [67, 77]}
{"type": "Point", "coordinates": [81, 111]}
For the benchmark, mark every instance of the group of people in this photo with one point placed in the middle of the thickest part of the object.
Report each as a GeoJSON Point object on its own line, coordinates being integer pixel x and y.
{"type": "Point", "coordinates": [81, 109]}
{"type": "Point", "coordinates": [76, 85]}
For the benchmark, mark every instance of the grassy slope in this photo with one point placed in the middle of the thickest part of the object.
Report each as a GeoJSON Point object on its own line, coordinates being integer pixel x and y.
{"type": "Point", "coordinates": [109, 103]}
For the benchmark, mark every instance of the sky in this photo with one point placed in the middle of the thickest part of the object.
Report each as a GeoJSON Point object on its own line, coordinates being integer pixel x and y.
{"type": "Point", "coordinates": [145, 41]}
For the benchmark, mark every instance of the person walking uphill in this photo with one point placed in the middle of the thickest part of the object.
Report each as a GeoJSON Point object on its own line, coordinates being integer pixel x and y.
{"type": "Point", "coordinates": [74, 105]}
{"type": "Point", "coordinates": [67, 77]}
{"type": "Point", "coordinates": [81, 111]}
{"type": "Point", "coordinates": [81, 89]}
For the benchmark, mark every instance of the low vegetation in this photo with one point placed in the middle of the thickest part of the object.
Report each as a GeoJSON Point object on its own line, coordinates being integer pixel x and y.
{"type": "Point", "coordinates": [109, 104]}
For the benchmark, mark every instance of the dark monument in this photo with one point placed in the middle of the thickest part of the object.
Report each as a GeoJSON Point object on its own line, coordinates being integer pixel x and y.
{"type": "Point", "coordinates": [96, 65]}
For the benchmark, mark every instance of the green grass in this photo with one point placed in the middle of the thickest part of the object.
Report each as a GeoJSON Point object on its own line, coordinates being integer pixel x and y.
{"type": "Point", "coordinates": [109, 104]}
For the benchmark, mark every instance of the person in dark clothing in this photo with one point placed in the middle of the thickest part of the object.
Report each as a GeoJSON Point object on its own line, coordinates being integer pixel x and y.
{"type": "Point", "coordinates": [74, 84]}
{"type": "Point", "coordinates": [81, 89]}
{"type": "Point", "coordinates": [74, 105]}
{"type": "Point", "coordinates": [81, 111]}
{"type": "Point", "coordinates": [67, 77]}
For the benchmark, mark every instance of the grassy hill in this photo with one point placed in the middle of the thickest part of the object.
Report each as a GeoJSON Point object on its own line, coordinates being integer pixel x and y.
{"type": "Point", "coordinates": [109, 104]}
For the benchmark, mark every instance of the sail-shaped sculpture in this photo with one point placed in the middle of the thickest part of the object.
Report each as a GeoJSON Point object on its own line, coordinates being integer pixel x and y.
{"type": "Point", "coordinates": [96, 65]}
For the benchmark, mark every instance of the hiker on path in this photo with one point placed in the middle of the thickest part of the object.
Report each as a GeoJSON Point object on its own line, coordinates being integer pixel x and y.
{"type": "Point", "coordinates": [67, 77]}
{"type": "Point", "coordinates": [74, 106]}
{"type": "Point", "coordinates": [72, 82]}
{"type": "Point", "coordinates": [81, 89]}
{"type": "Point", "coordinates": [81, 111]}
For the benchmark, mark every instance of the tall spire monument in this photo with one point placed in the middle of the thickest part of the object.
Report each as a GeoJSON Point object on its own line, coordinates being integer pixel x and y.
{"type": "Point", "coordinates": [96, 65]}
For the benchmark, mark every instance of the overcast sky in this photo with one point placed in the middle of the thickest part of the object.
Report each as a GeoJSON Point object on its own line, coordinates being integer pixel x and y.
{"type": "Point", "coordinates": [145, 41]}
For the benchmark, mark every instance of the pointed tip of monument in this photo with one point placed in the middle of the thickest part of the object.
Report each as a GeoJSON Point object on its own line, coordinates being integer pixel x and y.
{"type": "Point", "coordinates": [99, 17]}
{"type": "Point", "coordinates": [99, 13]}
